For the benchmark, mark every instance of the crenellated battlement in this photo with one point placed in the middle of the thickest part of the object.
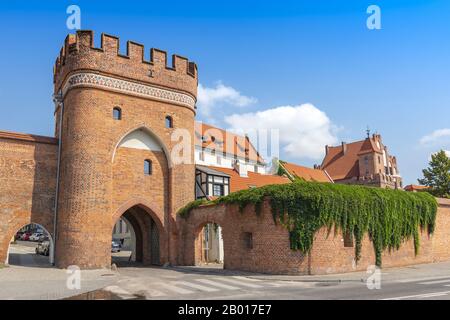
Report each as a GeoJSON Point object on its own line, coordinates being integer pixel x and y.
{"type": "Point", "coordinates": [79, 53]}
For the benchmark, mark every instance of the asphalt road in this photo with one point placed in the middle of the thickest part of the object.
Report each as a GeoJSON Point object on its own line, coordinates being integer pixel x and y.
{"type": "Point", "coordinates": [30, 276]}
{"type": "Point", "coordinates": [155, 283]}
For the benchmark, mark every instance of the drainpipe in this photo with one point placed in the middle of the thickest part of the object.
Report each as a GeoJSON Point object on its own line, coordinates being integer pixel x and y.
{"type": "Point", "coordinates": [58, 100]}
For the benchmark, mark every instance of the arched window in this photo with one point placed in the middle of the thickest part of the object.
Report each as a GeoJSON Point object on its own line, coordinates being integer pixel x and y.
{"type": "Point", "coordinates": [169, 122]}
{"type": "Point", "coordinates": [147, 167]}
{"type": "Point", "coordinates": [117, 113]}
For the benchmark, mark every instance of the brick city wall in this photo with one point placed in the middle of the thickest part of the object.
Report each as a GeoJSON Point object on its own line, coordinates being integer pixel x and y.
{"type": "Point", "coordinates": [27, 185]}
{"type": "Point", "coordinates": [271, 252]}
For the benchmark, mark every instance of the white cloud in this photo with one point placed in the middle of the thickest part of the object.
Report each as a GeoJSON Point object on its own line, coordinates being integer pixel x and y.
{"type": "Point", "coordinates": [436, 137]}
{"type": "Point", "coordinates": [219, 96]}
{"type": "Point", "coordinates": [304, 130]}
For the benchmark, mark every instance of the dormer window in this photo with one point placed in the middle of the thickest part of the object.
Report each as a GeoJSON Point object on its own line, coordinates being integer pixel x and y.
{"type": "Point", "coordinates": [169, 122]}
{"type": "Point", "coordinates": [117, 113]}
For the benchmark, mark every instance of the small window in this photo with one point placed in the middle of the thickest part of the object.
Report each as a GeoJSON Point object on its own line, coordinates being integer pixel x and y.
{"type": "Point", "coordinates": [169, 122]}
{"type": "Point", "coordinates": [248, 240]}
{"type": "Point", "coordinates": [202, 156]}
{"type": "Point", "coordinates": [148, 167]}
{"type": "Point", "coordinates": [117, 113]}
{"type": "Point", "coordinates": [348, 240]}
{"type": "Point", "coordinates": [219, 160]}
{"type": "Point", "coordinates": [218, 190]}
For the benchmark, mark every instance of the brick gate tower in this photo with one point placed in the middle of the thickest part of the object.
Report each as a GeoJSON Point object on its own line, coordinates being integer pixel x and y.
{"type": "Point", "coordinates": [116, 116]}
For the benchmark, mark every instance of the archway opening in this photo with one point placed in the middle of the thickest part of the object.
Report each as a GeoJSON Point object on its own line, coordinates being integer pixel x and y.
{"type": "Point", "coordinates": [209, 246]}
{"type": "Point", "coordinates": [135, 239]}
{"type": "Point", "coordinates": [31, 246]}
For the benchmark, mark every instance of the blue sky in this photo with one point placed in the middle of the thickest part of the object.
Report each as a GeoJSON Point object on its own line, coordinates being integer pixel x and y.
{"type": "Point", "coordinates": [257, 56]}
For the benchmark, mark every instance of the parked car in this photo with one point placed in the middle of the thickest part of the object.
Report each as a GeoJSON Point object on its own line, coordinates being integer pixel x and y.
{"type": "Point", "coordinates": [43, 248]}
{"type": "Point", "coordinates": [25, 236]}
{"type": "Point", "coordinates": [35, 236]}
{"type": "Point", "coordinates": [115, 246]}
{"type": "Point", "coordinates": [43, 237]}
{"type": "Point", "coordinates": [18, 235]}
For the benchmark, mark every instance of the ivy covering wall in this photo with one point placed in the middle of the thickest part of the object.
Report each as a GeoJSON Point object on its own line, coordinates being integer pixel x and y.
{"type": "Point", "coordinates": [389, 217]}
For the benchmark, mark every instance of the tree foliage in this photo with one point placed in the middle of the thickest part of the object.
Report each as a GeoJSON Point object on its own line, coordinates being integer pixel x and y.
{"type": "Point", "coordinates": [437, 175]}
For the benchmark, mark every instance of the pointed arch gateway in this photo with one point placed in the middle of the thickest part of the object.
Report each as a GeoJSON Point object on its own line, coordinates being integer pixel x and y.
{"type": "Point", "coordinates": [146, 244]}
{"type": "Point", "coordinates": [141, 196]}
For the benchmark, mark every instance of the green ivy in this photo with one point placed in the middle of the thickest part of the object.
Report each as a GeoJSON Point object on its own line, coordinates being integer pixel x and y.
{"type": "Point", "coordinates": [389, 217]}
{"type": "Point", "coordinates": [186, 210]}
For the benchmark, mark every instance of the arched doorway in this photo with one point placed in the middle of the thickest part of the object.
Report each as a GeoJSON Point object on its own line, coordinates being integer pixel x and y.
{"type": "Point", "coordinates": [136, 238]}
{"type": "Point", "coordinates": [31, 246]}
{"type": "Point", "coordinates": [209, 245]}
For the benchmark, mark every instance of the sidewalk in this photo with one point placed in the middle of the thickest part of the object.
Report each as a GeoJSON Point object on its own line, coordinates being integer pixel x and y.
{"type": "Point", "coordinates": [399, 274]}
{"type": "Point", "coordinates": [36, 283]}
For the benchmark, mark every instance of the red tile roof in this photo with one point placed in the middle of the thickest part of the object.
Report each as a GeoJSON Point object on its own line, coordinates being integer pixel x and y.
{"type": "Point", "coordinates": [220, 140]}
{"type": "Point", "coordinates": [252, 180]}
{"type": "Point", "coordinates": [308, 174]}
{"type": "Point", "coordinates": [413, 187]}
{"type": "Point", "coordinates": [343, 166]}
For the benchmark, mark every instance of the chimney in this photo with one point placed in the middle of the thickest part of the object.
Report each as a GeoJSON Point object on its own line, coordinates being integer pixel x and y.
{"type": "Point", "coordinates": [344, 147]}
{"type": "Point", "coordinates": [327, 149]}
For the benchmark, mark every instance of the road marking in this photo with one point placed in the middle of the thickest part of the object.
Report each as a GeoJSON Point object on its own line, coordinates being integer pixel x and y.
{"type": "Point", "coordinates": [138, 287]}
{"type": "Point", "coordinates": [196, 286]}
{"type": "Point", "coordinates": [421, 279]}
{"type": "Point", "coordinates": [119, 292]}
{"type": "Point", "coordinates": [241, 283]}
{"type": "Point", "coordinates": [217, 284]}
{"type": "Point", "coordinates": [246, 278]}
{"type": "Point", "coordinates": [425, 295]}
{"type": "Point", "coordinates": [436, 282]}
{"type": "Point", "coordinates": [174, 288]}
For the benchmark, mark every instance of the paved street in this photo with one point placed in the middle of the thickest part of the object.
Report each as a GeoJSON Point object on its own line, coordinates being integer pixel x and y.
{"type": "Point", "coordinates": [23, 254]}
{"type": "Point", "coordinates": [31, 277]}
{"type": "Point", "coordinates": [418, 283]}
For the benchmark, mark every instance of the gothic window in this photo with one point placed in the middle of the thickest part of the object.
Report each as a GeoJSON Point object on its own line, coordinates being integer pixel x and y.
{"type": "Point", "coordinates": [148, 167]}
{"type": "Point", "coordinates": [169, 122]}
{"type": "Point", "coordinates": [117, 113]}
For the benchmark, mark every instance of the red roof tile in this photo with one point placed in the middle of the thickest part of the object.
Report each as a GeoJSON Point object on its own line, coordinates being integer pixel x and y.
{"type": "Point", "coordinates": [308, 174]}
{"type": "Point", "coordinates": [252, 180]}
{"type": "Point", "coordinates": [343, 166]}
{"type": "Point", "coordinates": [413, 187]}
{"type": "Point", "coordinates": [220, 140]}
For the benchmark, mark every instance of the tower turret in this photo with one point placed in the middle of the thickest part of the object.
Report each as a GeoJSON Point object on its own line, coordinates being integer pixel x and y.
{"type": "Point", "coordinates": [118, 116]}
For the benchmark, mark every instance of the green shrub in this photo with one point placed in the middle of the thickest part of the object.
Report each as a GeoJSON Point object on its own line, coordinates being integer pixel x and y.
{"type": "Point", "coordinates": [186, 210]}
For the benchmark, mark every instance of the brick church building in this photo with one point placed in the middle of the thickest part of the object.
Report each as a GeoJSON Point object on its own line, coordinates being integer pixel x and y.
{"type": "Point", "coordinates": [364, 162]}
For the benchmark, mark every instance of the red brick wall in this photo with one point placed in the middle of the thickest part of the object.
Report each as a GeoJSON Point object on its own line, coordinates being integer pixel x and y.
{"type": "Point", "coordinates": [27, 187]}
{"type": "Point", "coordinates": [271, 252]}
{"type": "Point", "coordinates": [94, 190]}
